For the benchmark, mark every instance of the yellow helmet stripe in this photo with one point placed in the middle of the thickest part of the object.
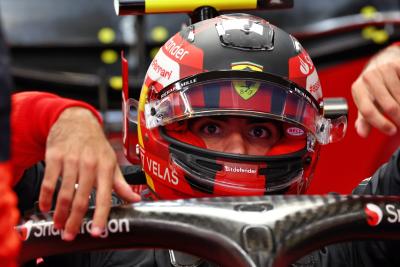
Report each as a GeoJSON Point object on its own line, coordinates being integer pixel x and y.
{"type": "Point", "coordinates": [150, 182]}
{"type": "Point", "coordinates": [142, 102]}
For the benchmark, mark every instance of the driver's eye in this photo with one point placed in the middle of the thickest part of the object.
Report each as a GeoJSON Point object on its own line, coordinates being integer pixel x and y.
{"type": "Point", "coordinates": [211, 129]}
{"type": "Point", "coordinates": [259, 132]}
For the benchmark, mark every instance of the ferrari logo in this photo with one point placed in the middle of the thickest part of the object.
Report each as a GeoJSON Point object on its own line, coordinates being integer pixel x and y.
{"type": "Point", "coordinates": [246, 89]}
{"type": "Point", "coordinates": [246, 65]}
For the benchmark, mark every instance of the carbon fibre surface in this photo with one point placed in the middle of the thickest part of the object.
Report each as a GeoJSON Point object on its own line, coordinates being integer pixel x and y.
{"type": "Point", "coordinates": [246, 231]}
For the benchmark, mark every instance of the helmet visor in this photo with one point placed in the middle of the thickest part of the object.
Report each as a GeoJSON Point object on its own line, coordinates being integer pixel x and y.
{"type": "Point", "coordinates": [239, 97]}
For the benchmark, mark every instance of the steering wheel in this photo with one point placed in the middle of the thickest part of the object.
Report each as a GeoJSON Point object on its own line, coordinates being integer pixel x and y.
{"type": "Point", "coordinates": [245, 231]}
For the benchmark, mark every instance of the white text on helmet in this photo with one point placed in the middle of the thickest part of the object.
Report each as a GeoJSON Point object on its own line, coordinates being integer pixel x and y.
{"type": "Point", "coordinates": [189, 82]}
{"type": "Point", "coordinates": [240, 169]}
{"type": "Point", "coordinates": [164, 173]}
{"type": "Point", "coordinates": [160, 70]}
{"type": "Point", "coordinates": [294, 131]}
{"type": "Point", "coordinates": [175, 50]}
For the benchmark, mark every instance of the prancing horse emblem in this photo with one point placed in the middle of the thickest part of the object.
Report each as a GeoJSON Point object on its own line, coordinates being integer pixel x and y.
{"type": "Point", "coordinates": [246, 88]}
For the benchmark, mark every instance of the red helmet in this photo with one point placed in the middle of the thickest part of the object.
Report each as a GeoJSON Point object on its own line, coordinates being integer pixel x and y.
{"type": "Point", "coordinates": [232, 65]}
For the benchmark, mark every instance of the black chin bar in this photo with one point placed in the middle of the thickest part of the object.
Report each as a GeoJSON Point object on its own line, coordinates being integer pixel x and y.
{"type": "Point", "coordinates": [246, 231]}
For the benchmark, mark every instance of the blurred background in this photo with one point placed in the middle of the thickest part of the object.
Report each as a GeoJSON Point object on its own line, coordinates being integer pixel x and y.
{"type": "Point", "coordinates": [73, 47]}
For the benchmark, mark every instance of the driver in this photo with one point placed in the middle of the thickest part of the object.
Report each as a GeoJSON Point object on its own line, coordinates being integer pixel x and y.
{"type": "Point", "coordinates": [232, 106]}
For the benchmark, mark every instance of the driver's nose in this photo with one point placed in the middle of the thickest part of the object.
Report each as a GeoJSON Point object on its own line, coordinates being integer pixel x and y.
{"type": "Point", "coordinates": [235, 143]}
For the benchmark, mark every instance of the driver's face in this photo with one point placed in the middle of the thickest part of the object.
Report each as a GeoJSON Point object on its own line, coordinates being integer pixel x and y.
{"type": "Point", "coordinates": [250, 136]}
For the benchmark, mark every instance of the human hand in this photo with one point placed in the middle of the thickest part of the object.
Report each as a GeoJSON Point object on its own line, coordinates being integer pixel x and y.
{"type": "Point", "coordinates": [376, 93]}
{"type": "Point", "coordinates": [78, 151]}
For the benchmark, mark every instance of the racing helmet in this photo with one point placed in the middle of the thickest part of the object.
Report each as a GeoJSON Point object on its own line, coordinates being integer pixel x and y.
{"type": "Point", "coordinates": [234, 65]}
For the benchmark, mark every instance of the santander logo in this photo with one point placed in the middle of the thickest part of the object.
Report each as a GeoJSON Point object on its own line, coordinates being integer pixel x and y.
{"type": "Point", "coordinates": [25, 230]}
{"type": "Point", "coordinates": [374, 214]}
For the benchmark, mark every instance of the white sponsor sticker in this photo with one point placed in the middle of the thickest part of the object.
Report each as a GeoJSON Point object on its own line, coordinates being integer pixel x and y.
{"type": "Point", "coordinates": [313, 85]}
{"type": "Point", "coordinates": [294, 131]}
{"type": "Point", "coordinates": [240, 170]}
{"type": "Point", "coordinates": [163, 69]}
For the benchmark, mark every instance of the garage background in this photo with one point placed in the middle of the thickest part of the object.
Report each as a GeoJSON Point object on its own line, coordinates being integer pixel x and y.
{"type": "Point", "coordinates": [72, 48]}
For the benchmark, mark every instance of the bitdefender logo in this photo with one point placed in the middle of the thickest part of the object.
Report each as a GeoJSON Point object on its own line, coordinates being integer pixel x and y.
{"type": "Point", "coordinates": [374, 214]}
{"type": "Point", "coordinates": [239, 170]}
